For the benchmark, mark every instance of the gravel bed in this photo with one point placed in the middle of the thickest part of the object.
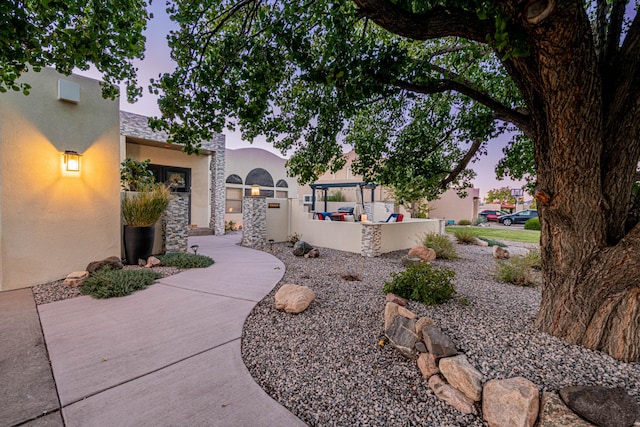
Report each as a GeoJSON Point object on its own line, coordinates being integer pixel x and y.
{"type": "Point", "coordinates": [57, 291]}
{"type": "Point", "coordinates": [326, 367]}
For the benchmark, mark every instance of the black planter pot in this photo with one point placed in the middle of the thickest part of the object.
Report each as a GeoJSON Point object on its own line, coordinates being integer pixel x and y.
{"type": "Point", "coordinates": [138, 242]}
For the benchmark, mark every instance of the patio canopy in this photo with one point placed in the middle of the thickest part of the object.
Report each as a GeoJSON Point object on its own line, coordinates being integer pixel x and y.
{"type": "Point", "coordinates": [326, 187]}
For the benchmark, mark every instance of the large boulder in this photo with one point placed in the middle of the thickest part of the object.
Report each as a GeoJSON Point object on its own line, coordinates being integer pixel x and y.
{"type": "Point", "coordinates": [510, 403]}
{"type": "Point", "coordinates": [437, 342]}
{"type": "Point", "coordinates": [301, 248]}
{"type": "Point", "coordinates": [424, 253]}
{"type": "Point", "coordinates": [402, 336]}
{"type": "Point", "coordinates": [450, 395]}
{"type": "Point", "coordinates": [554, 413]}
{"type": "Point", "coordinates": [463, 376]}
{"type": "Point", "coordinates": [75, 279]}
{"type": "Point", "coordinates": [390, 313]}
{"type": "Point", "coordinates": [603, 406]}
{"type": "Point", "coordinates": [500, 253]}
{"type": "Point", "coordinates": [313, 253]}
{"type": "Point", "coordinates": [391, 297]}
{"type": "Point", "coordinates": [113, 262]}
{"type": "Point", "coordinates": [294, 298]}
{"type": "Point", "coordinates": [428, 365]}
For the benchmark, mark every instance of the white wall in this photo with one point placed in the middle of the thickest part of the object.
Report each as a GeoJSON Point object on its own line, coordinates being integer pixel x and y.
{"type": "Point", "coordinates": [278, 219]}
{"type": "Point", "coordinates": [451, 206]}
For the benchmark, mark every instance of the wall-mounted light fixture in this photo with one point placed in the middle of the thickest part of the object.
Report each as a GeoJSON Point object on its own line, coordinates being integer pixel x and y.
{"type": "Point", "coordinates": [255, 190]}
{"type": "Point", "coordinates": [71, 161]}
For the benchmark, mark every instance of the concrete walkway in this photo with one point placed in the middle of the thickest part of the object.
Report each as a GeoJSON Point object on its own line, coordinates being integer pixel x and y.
{"type": "Point", "coordinates": [168, 355]}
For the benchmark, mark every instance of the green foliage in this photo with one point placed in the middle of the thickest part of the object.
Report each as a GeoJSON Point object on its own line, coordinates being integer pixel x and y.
{"type": "Point", "coordinates": [295, 237]}
{"type": "Point", "coordinates": [185, 260]}
{"type": "Point", "coordinates": [510, 234]}
{"type": "Point", "coordinates": [492, 242]}
{"type": "Point", "coordinates": [518, 163]}
{"type": "Point", "coordinates": [464, 222]}
{"type": "Point", "coordinates": [145, 207]}
{"type": "Point", "coordinates": [481, 220]}
{"type": "Point", "coordinates": [498, 195]}
{"type": "Point", "coordinates": [336, 196]}
{"type": "Point", "coordinates": [532, 224]}
{"type": "Point", "coordinates": [135, 174]}
{"type": "Point", "coordinates": [107, 282]}
{"type": "Point", "coordinates": [465, 236]}
{"type": "Point", "coordinates": [441, 244]}
{"type": "Point", "coordinates": [229, 225]}
{"type": "Point", "coordinates": [518, 270]}
{"type": "Point", "coordinates": [422, 283]}
{"type": "Point", "coordinates": [73, 34]}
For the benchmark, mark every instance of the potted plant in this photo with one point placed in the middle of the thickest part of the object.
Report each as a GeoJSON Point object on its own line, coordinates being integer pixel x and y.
{"type": "Point", "coordinates": [140, 212]}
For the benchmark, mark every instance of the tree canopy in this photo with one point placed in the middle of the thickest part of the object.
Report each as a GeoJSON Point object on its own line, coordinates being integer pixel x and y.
{"type": "Point", "coordinates": [383, 74]}
{"type": "Point", "coordinates": [70, 34]}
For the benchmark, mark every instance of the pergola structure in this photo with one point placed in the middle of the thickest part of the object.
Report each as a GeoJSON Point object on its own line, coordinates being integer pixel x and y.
{"type": "Point", "coordinates": [326, 187]}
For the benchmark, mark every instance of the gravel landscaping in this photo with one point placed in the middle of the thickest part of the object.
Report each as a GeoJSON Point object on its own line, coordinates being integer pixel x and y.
{"type": "Point", "coordinates": [325, 364]}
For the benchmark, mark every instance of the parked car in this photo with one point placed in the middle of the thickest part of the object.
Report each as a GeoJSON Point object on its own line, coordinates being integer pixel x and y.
{"type": "Point", "coordinates": [491, 215]}
{"type": "Point", "coordinates": [518, 217]}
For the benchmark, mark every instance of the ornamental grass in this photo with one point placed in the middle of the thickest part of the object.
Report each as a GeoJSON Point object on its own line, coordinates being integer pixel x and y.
{"type": "Point", "coordinates": [144, 208]}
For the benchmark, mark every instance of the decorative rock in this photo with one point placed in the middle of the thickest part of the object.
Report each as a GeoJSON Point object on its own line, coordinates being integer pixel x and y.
{"type": "Point", "coordinates": [603, 406]}
{"type": "Point", "coordinates": [462, 376]}
{"type": "Point", "coordinates": [510, 403]}
{"type": "Point", "coordinates": [141, 262]}
{"type": "Point", "coordinates": [112, 261]}
{"type": "Point", "coordinates": [402, 311]}
{"type": "Point", "coordinates": [424, 253]}
{"type": "Point", "coordinates": [410, 261]}
{"type": "Point", "coordinates": [77, 278]}
{"type": "Point", "coordinates": [396, 298]}
{"type": "Point", "coordinates": [390, 313]}
{"type": "Point", "coordinates": [152, 262]}
{"type": "Point", "coordinates": [402, 336]}
{"type": "Point", "coordinates": [294, 298]}
{"type": "Point", "coordinates": [421, 347]}
{"type": "Point", "coordinates": [301, 248]}
{"type": "Point", "coordinates": [450, 395]}
{"type": "Point", "coordinates": [437, 342]}
{"type": "Point", "coordinates": [500, 253]}
{"type": "Point", "coordinates": [480, 242]}
{"type": "Point", "coordinates": [554, 413]}
{"type": "Point", "coordinates": [313, 253]}
{"type": "Point", "coordinates": [421, 323]}
{"type": "Point", "coordinates": [428, 365]}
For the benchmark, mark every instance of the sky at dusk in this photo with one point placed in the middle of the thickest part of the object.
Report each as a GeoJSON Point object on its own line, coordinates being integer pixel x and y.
{"type": "Point", "coordinates": [157, 60]}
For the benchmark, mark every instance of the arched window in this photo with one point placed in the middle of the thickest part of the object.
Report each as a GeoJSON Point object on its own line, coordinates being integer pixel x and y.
{"type": "Point", "coordinates": [259, 176]}
{"type": "Point", "coordinates": [282, 184]}
{"type": "Point", "coordinates": [234, 179]}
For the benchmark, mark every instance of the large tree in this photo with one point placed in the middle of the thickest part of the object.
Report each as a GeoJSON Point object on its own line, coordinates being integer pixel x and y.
{"type": "Point", "coordinates": [68, 34]}
{"type": "Point", "coordinates": [564, 73]}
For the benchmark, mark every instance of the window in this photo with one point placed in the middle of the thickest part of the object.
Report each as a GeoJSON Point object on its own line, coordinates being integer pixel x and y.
{"type": "Point", "coordinates": [282, 184]}
{"type": "Point", "coordinates": [259, 176]}
{"type": "Point", "coordinates": [233, 200]}
{"type": "Point", "coordinates": [234, 179]}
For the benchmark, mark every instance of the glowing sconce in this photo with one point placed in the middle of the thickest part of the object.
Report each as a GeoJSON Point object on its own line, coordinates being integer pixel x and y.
{"type": "Point", "coordinates": [255, 190]}
{"type": "Point", "coordinates": [71, 161]}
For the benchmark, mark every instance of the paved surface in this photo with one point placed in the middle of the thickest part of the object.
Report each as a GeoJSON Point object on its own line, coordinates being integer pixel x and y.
{"type": "Point", "coordinates": [165, 356]}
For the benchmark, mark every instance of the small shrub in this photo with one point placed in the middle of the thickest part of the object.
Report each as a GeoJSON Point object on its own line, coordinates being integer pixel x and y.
{"type": "Point", "coordinates": [441, 244]}
{"type": "Point", "coordinates": [532, 224]}
{"type": "Point", "coordinates": [519, 269]}
{"type": "Point", "coordinates": [182, 260]}
{"type": "Point", "coordinates": [480, 220]}
{"type": "Point", "coordinates": [230, 226]}
{"type": "Point", "coordinates": [464, 222]}
{"type": "Point", "coordinates": [422, 283]}
{"type": "Point", "coordinates": [534, 259]}
{"type": "Point", "coordinates": [107, 282]}
{"type": "Point", "coordinates": [295, 237]}
{"type": "Point", "coordinates": [465, 236]}
{"type": "Point", "coordinates": [492, 242]}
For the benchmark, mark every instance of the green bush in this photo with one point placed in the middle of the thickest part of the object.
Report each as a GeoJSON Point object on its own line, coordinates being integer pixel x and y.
{"type": "Point", "coordinates": [492, 242]}
{"type": "Point", "coordinates": [183, 260]}
{"type": "Point", "coordinates": [229, 225]}
{"type": "Point", "coordinates": [481, 220]}
{"type": "Point", "coordinates": [465, 236]}
{"type": "Point", "coordinates": [107, 282]}
{"type": "Point", "coordinates": [441, 244]}
{"type": "Point", "coordinates": [422, 283]}
{"type": "Point", "coordinates": [464, 222]}
{"type": "Point", "coordinates": [519, 269]}
{"type": "Point", "coordinates": [532, 224]}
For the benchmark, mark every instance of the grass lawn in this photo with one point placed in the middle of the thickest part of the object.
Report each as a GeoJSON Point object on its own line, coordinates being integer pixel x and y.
{"type": "Point", "coordinates": [515, 235]}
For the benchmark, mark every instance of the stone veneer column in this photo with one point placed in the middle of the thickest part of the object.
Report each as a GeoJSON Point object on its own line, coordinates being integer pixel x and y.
{"type": "Point", "coordinates": [175, 222]}
{"type": "Point", "coordinates": [371, 239]}
{"type": "Point", "coordinates": [217, 175]}
{"type": "Point", "coordinates": [254, 222]}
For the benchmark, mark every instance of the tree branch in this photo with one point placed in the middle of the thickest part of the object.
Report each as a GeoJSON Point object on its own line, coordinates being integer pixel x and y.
{"type": "Point", "coordinates": [439, 22]}
{"type": "Point", "coordinates": [615, 30]}
{"type": "Point", "coordinates": [462, 165]}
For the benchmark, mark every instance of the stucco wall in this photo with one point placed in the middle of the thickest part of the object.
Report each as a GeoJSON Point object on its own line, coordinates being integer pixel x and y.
{"type": "Point", "coordinates": [244, 160]}
{"type": "Point", "coordinates": [199, 175]}
{"type": "Point", "coordinates": [452, 206]}
{"type": "Point", "coordinates": [278, 219]}
{"type": "Point", "coordinates": [54, 222]}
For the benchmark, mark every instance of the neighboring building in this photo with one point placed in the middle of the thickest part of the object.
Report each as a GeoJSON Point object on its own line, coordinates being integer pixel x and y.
{"type": "Point", "coordinates": [247, 167]}
{"type": "Point", "coordinates": [452, 207]}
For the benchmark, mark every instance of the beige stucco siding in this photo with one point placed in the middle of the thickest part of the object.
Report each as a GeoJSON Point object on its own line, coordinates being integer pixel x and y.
{"type": "Point", "coordinates": [199, 166]}
{"type": "Point", "coordinates": [53, 222]}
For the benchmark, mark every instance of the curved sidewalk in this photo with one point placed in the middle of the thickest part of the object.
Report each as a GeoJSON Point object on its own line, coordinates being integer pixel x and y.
{"type": "Point", "coordinates": [168, 355]}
